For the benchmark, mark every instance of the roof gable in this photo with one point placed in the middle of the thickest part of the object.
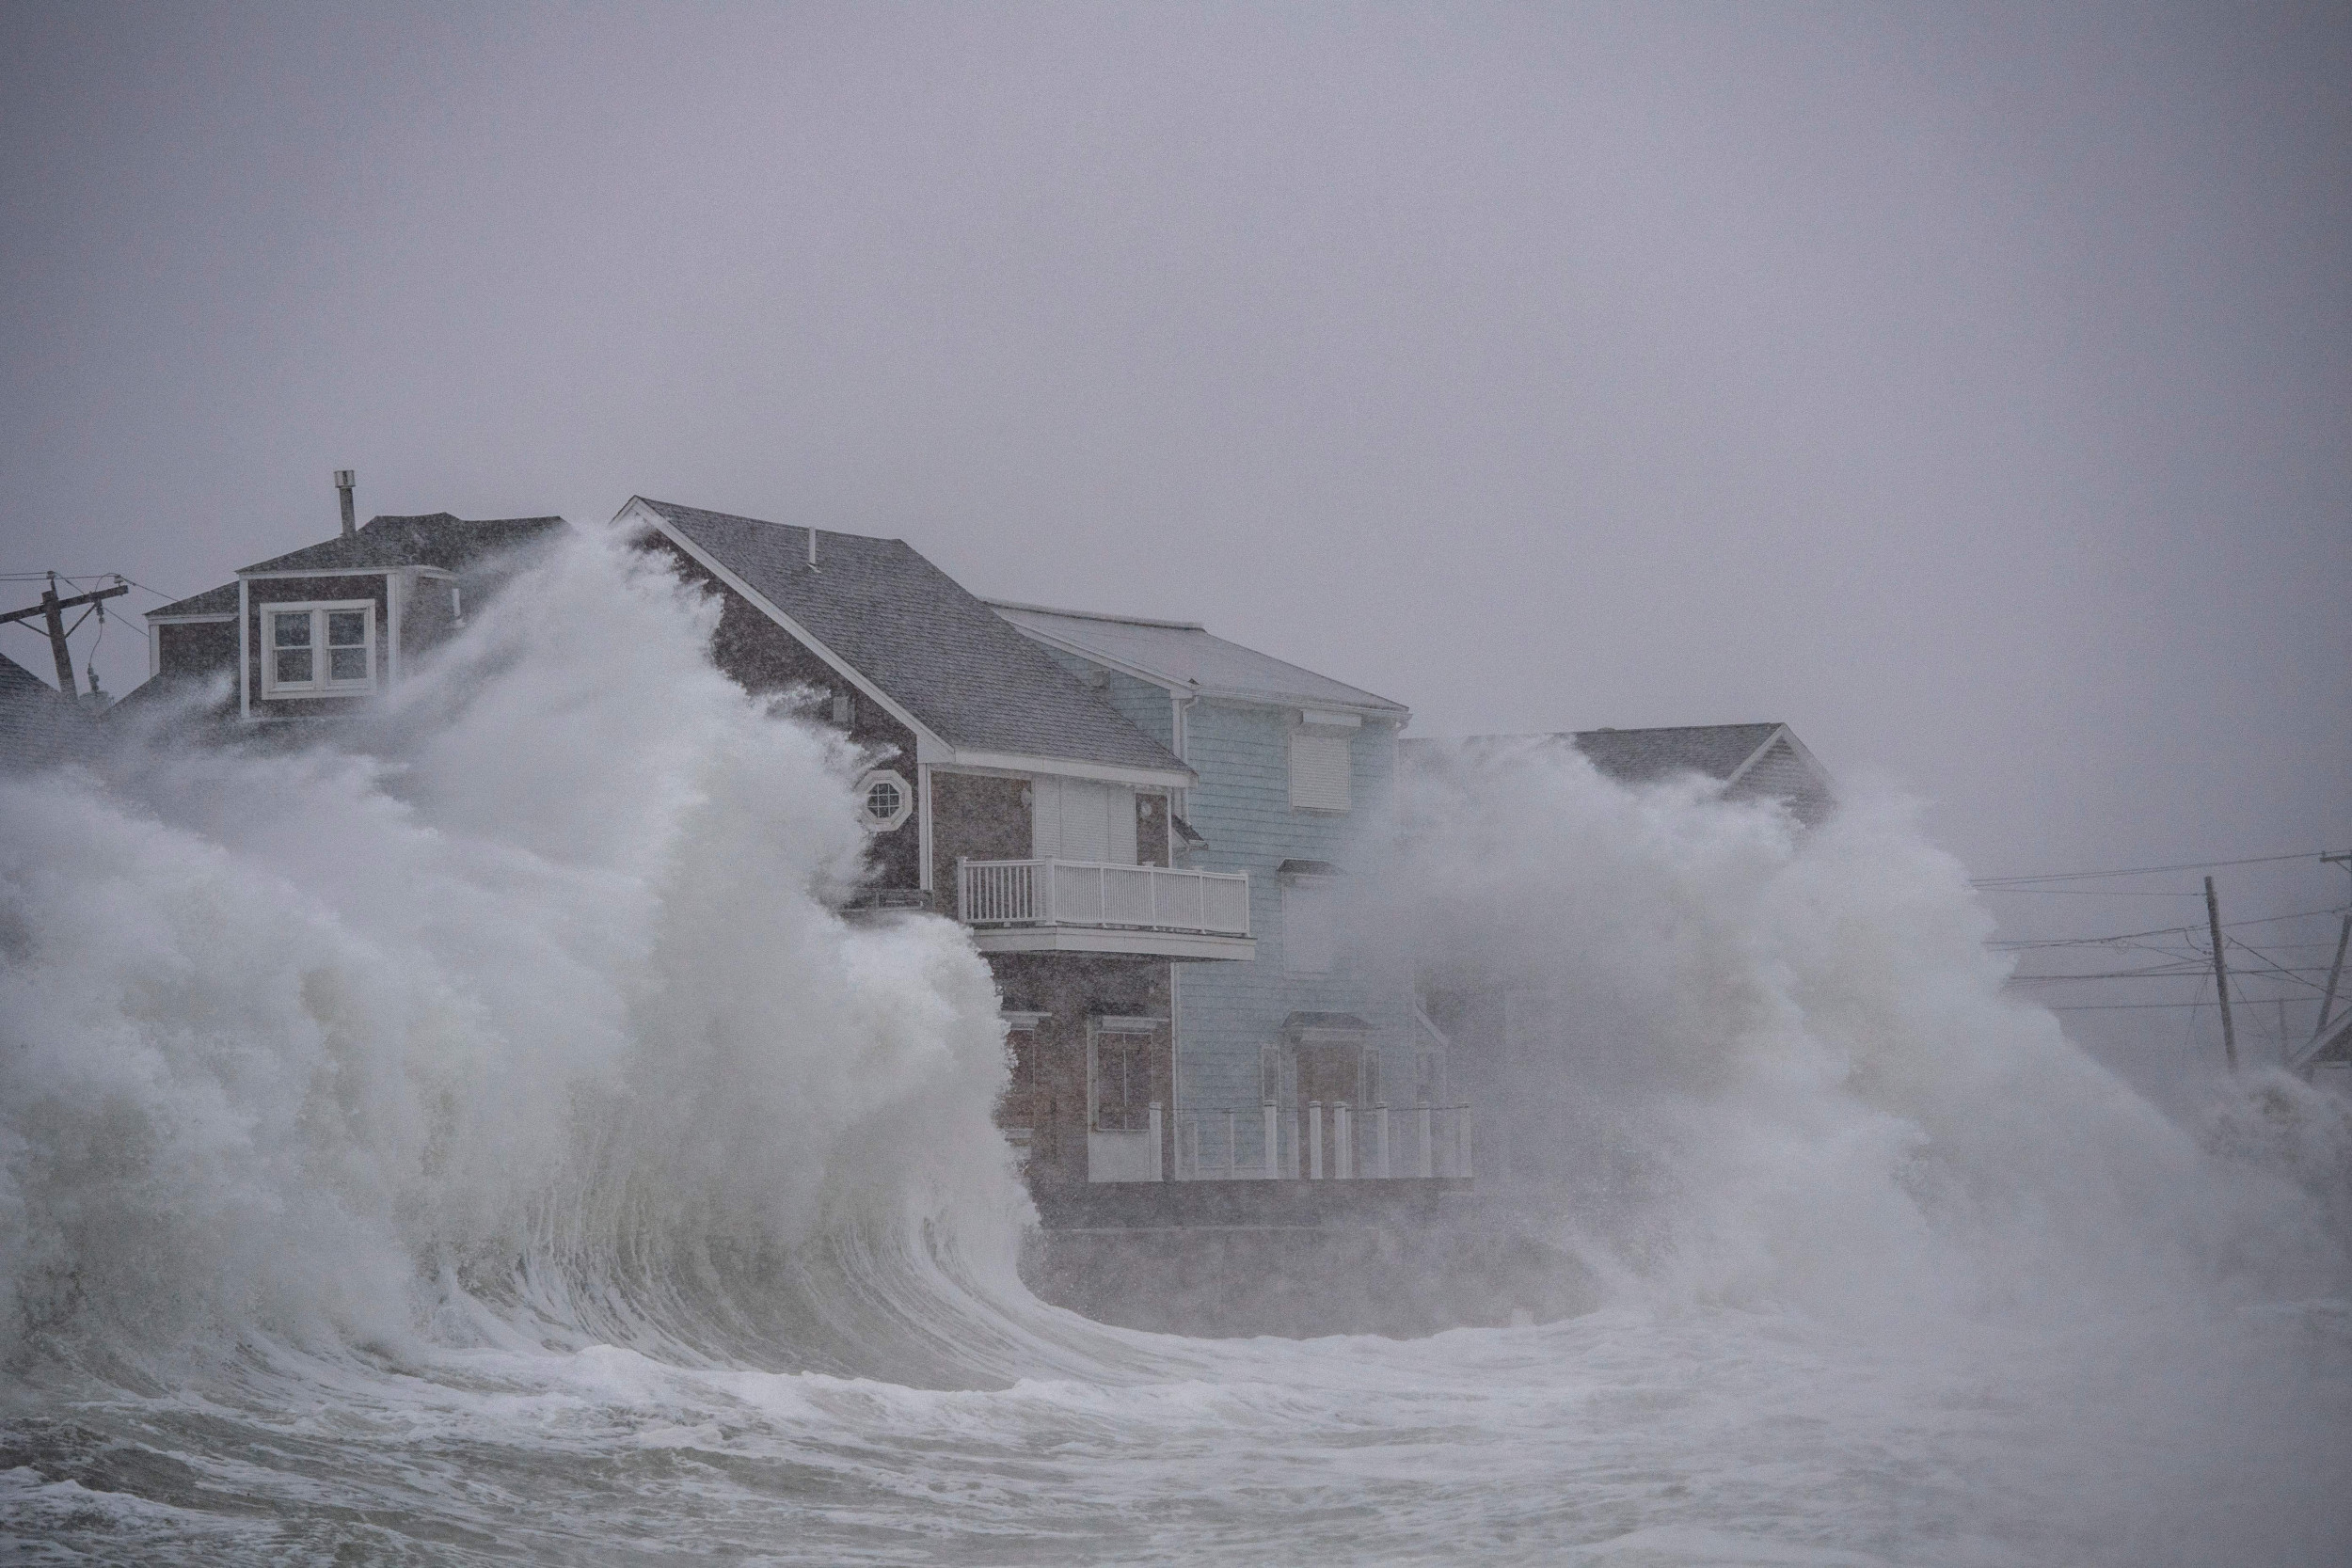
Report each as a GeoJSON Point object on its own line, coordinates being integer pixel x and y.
{"type": "Point", "coordinates": [924, 641]}
{"type": "Point", "coordinates": [1185, 657]}
{"type": "Point", "coordinates": [38, 728]}
{"type": "Point", "coordinates": [213, 601]}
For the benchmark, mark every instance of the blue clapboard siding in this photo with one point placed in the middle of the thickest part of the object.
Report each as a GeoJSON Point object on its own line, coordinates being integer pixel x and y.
{"type": "Point", "coordinates": [1228, 1012]}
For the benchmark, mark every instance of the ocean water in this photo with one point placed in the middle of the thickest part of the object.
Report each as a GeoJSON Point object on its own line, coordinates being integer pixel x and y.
{"type": "Point", "coordinates": [477, 1141]}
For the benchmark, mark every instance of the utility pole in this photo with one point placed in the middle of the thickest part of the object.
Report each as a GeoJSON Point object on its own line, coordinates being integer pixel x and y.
{"type": "Point", "coordinates": [2220, 976]}
{"type": "Point", "coordinates": [51, 609]}
{"type": "Point", "coordinates": [2335, 971]}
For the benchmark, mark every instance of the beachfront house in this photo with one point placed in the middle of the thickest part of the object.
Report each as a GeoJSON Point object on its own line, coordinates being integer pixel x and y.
{"type": "Point", "coordinates": [1312, 1062]}
{"type": "Point", "coordinates": [317, 632]}
{"type": "Point", "coordinates": [1004, 791]}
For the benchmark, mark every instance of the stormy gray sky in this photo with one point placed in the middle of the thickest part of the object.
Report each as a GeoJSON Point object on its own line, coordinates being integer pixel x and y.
{"type": "Point", "coordinates": [1969, 385]}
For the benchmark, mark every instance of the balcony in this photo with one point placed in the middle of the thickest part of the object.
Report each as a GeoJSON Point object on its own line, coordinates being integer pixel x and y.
{"type": "Point", "coordinates": [1053, 906]}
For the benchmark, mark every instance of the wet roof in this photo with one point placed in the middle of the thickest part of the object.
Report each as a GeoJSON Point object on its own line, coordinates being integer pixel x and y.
{"type": "Point", "coordinates": [916, 632]}
{"type": "Point", "coordinates": [432, 539]}
{"type": "Point", "coordinates": [1638, 756]}
{"type": "Point", "coordinates": [213, 601]}
{"type": "Point", "coordinates": [1184, 654]}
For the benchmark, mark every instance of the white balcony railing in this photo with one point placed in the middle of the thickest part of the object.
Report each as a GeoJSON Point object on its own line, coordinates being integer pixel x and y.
{"type": "Point", "coordinates": [1090, 894]}
{"type": "Point", "coordinates": [1323, 1143]}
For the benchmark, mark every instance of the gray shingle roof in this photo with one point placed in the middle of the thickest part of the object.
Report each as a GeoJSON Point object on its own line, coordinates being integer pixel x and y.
{"type": "Point", "coordinates": [913, 631]}
{"type": "Point", "coordinates": [1631, 757]}
{"type": "Point", "coordinates": [213, 601]}
{"type": "Point", "coordinates": [1188, 656]}
{"type": "Point", "coordinates": [434, 539]}
{"type": "Point", "coordinates": [1786, 771]}
{"type": "Point", "coordinates": [1638, 756]}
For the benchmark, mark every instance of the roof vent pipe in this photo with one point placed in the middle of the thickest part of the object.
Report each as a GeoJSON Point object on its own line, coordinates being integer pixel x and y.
{"type": "Point", "coordinates": [345, 481]}
{"type": "Point", "coordinates": [812, 549]}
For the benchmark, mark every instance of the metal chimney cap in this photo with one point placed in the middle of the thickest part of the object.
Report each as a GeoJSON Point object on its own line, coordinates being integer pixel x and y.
{"type": "Point", "coordinates": [345, 477]}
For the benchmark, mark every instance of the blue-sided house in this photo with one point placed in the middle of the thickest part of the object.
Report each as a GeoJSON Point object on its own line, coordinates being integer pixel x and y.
{"type": "Point", "coordinates": [1312, 1061]}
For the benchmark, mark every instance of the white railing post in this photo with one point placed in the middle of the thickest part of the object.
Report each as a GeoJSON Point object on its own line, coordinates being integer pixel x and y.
{"type": "Point", "coordinates": [1428, 1143]}
{"type": "Point", "coordinates": [1159, 1160]}
{"type": "Point", "coordinates": [1314, 1147]}
{"type": "Point", "coordinates": [1193, 1163]}
{"type": "Point", "coordinates": [1380, 1142]}
{"type": "Point", "coordinates": [1273, 1143]}
{"type": "Point", "coordinates": [1462, 1141]}
{"type": "Point", "coordinates": [1343, 1141]}
{"type": "Point", "coordinates": [1231, 1156]}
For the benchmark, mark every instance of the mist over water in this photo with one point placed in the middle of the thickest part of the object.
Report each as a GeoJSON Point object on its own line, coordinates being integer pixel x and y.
{"type": "Point", "coordinates": [477, 1139]}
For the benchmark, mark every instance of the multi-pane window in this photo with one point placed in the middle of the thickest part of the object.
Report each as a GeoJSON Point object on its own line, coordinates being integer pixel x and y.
{"type": "Point", "coordinates": [1122, 1083]}
{"type": "Point", "coordinates": [318, 650]}
{"type": "Point", "coordinates": [884, 800]}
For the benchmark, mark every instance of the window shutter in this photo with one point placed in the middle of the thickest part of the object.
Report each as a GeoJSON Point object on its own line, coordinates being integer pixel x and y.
{"type": "Point", "coordinates": [1319, 771]}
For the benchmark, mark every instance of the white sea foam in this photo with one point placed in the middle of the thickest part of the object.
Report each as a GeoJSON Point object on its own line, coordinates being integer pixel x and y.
{"type": "Point", "coordinates": [479, 1140]}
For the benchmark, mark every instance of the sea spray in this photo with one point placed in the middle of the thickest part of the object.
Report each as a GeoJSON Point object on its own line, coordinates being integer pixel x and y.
{"type": "Point", "coordinates": [1800, 1040]}
{"type": "Point", "coordinates": [540, 1001]}
{"type": "Point", "coordinates": [473, 1134]}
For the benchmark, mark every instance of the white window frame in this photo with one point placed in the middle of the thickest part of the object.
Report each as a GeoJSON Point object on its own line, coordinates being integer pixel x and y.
{"type": "Point", "coordinates": [1132, 1033]}
{"type": "Point", "coordinates": [867, 819]}
{"type": "Point", "coordinates": [321, 683]}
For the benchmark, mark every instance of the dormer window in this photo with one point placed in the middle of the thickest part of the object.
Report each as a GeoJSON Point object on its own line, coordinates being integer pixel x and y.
{"type": "Point", "coordinates": [318, 650]}
{"type": "Point", "coordinates": [884, 800]}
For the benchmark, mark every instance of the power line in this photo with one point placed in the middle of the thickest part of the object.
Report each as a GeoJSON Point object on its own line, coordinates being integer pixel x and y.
{"type": "Point", "coordinates": [2133, 871]}
{"type": "Point", "coordinates": [2118, 1006]}
{"type": "Point", "coordinates": [2086, 892]}
{"type": "Point", "coordinates": [2022, 943]}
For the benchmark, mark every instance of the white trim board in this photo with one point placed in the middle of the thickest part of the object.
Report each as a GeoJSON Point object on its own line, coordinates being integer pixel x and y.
{"type": "Point", "coordinates": [347, 572]}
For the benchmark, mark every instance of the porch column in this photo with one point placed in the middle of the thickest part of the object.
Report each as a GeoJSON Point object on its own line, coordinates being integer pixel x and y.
{"type": "Point", "coordinates": [1428, 1143]}
{"type": "Point", "coordinates": [1380, 1142]}
{"type": "Point", "coordinates": [1273, 1143]}
{"type": "Point", "coordinates": [1314, 1140]}
{"type": "Point", "coordinates": [1159, 1156]}
{"type": "Point", "coordinates": [1343, 1141]}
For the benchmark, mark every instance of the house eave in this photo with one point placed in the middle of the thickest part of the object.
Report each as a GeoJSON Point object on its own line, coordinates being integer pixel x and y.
{"type": "Point", "coordinates": [1074, 768]}
{"type": "Point", "coordinates": [421, 570]}
{"type": "Point", "coordinates": [1180, 946]}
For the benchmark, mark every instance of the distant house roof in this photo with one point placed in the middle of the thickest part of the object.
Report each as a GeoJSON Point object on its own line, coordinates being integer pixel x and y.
{"type": "Point", "coordinates": [213, 601]}
{"type": "Point", "coordinates": [435, 539]}
{"type": "Point", "coordinates": [38, 728]}
{"type": "Point", "coordinates": [1639, 757]}
{"type": "Point", "coordinates": [1750, 761]}
{"type": "Point", "coordinates": [1185, 657]}
{"type": "Point", "coordinates": [928, 645]}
